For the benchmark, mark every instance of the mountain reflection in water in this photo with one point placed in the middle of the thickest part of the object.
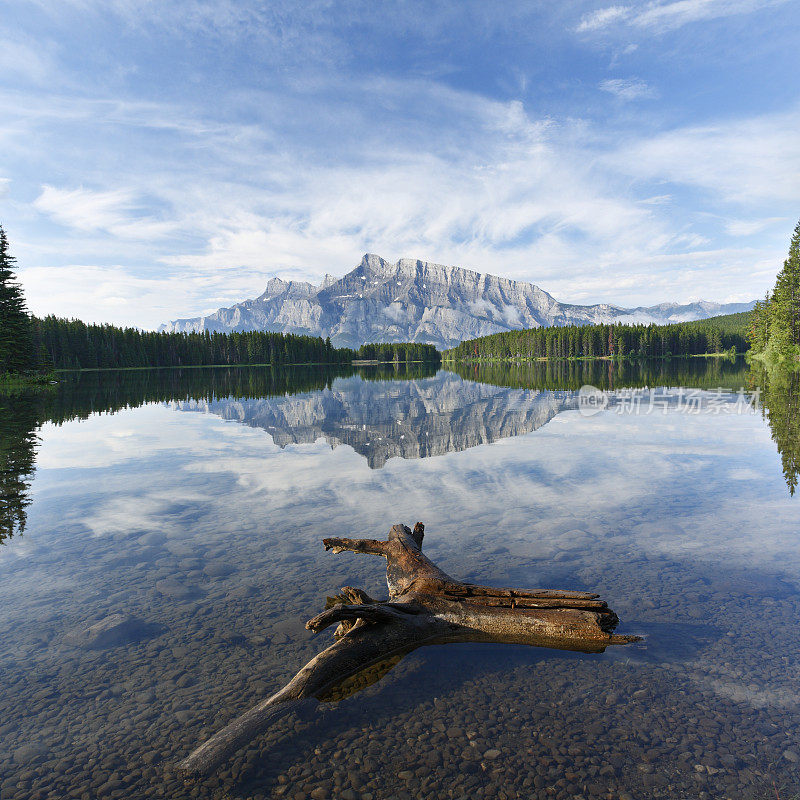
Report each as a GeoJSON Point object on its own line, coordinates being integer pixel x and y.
{"type": "Point", "coordinates": [419, 417]}
{"type": "Point", "coordinates": [406, 411]}
{"type": "Point", "coordinates": [409, 419]}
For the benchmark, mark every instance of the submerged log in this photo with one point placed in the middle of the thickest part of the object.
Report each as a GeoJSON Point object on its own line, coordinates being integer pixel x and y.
{"type": "Point", "coordinates": [425, 606]}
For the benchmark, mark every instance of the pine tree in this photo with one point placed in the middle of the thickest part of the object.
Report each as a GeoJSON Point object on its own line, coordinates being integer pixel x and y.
{"type": "Point", "coordinates": [784, 308]}
{"type": "Point", "coordinates": [16, 343]}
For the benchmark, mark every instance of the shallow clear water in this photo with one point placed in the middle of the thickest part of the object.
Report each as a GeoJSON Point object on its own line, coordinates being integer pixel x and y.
{"type": "Point", "coordinates": [201, 513]}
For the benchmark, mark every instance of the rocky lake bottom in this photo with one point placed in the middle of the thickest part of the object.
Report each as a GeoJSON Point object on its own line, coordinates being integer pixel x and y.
{"type": "Point", "coordinates": [172, 555]}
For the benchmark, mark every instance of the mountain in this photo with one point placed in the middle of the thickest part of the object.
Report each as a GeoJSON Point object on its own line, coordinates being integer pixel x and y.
{"type": "Point", "coordinates": [416, 301]}
{"type": "Point", "coordinates": [380, 420]}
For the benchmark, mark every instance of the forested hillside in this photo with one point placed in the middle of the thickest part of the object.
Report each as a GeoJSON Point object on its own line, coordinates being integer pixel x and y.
{"type": "Point", "coordinates": [407, 351]}
{"type": "Point", "coordinates": [599, 341]}
{"type": "Point", "coordinates": [72, 344]}
{"type": "Point", "coordinates": [738, 324]}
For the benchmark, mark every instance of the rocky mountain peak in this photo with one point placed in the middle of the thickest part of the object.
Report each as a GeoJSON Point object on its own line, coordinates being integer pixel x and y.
{"type": "Point", "coordinates": [328, 280]}
{"type": "Point", "coordinates": [275, 286]}
{"type": "Point", "coordinates": [419, 301]}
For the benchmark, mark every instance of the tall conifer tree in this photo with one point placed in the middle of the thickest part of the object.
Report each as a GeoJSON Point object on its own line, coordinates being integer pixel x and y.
{"type": "Point", "coordinates": [16, 344]}
{"type": "Point", "coordinates": [784, 307]}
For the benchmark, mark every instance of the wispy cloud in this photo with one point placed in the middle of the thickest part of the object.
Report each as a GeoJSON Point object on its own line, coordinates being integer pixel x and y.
{"type": "Point", "coordinates": [24, 60]}
{"type": "Point", "coordinates": [669, 16]}
{"type": "Point", "coordinates": [85, 209]}
{"type": "Point", "coordinates": [115, 211]}
{"type": "Point", "coordinates": [603, 17]}
{"type": "Point", "coordinates": [659, 17]}
{"type": "Point", "coordinates": [100, 294]}
{"type": "Point", "coordinates": [750, 227]}
{"type": "Point", "coordinates": [738, 160]}
{"type": "Point", "coordinates": [628, 88]}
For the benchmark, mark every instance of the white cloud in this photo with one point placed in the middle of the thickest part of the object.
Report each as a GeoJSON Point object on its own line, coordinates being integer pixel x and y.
{"type": "Point", "coordinates": [737, 160]}
{"type": "Point", "coordinates": [84, 209]}
{"type": "Point", "coordinates": [750, 227]}
{"type": "Point", "coordinates": [108, 294]}
{"type": "Point", "coordinates": [116, 211]}
{"type": "Point", "coordinates": [659, 17]}
{"type": "Point", "coordinates": [668, 16]}
{"type": "Point", "coordinates": [722, 275]}
{"type": "Point", "coordinates": [5, 187]}
{"type": "Point", "coordinates": [529, 203]}
{"type": "Point", "coordinates": [603, 17]}
{"type": "Point", "coordinates": [628, 89]}
{"type": "Point", "coordinates": [300, 215]}
{"type": "Point", "coordinates": [26, 59]}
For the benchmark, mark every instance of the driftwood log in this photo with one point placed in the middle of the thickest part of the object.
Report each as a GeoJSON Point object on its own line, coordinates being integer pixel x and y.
{"type": "Point", "coordinates": [425, 606]}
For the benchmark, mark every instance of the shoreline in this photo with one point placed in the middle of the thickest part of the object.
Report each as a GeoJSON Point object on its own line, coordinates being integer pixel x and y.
{"type": "Point", "coordinates": [9, 381]}
{"type": "Point", "coordinates": [230, 366]}
{"type": "Point", "coordinates": [544, 359]}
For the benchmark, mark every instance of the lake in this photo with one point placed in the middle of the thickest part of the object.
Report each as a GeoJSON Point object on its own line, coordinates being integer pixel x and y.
{"type": "Point", "coordinates": [194, 502]}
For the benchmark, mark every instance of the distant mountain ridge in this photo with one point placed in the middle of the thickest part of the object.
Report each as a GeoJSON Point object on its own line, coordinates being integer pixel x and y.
{"type": "Point", "coordinates": [417, 301]}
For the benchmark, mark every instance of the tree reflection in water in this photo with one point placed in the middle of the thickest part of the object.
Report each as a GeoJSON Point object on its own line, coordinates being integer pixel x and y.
{"type": "Point", "coordinates": [19, 421]}
{"type": "Point", "coordinates": [780, 399]}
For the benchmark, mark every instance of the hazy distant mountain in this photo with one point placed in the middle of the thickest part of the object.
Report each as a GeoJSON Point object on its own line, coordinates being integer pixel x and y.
{"type": "Point", "coordinates": [415, 301]}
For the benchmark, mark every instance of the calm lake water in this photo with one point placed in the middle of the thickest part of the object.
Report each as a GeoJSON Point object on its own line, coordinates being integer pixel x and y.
{"type": "Point", "coordinates": [195, 502]}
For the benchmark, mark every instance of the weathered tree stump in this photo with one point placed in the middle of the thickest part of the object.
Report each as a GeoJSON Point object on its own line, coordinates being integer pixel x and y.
{"type": "Point", "coordinates": [425, 606]}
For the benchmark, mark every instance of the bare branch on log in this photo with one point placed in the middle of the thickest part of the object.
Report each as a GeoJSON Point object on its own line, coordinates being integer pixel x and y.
{"type": "Point", "coordinates": [379, 612]}
{"type": "Point", "coordinates": [372, 546]}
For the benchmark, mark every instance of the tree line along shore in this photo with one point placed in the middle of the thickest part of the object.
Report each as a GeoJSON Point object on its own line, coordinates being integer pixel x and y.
{"type": "Point", "coordinates": [72, 344]}
{"type": "Point", "coordinates": [770, 333]}
{"type": "Point", "coordinates": [32, 347]}
{"type": "Point", "coordinates": [717, 335]}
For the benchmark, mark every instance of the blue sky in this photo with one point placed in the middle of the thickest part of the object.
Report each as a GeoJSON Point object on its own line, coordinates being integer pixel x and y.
{"type": "Point", "coordinates": [161, 159]}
